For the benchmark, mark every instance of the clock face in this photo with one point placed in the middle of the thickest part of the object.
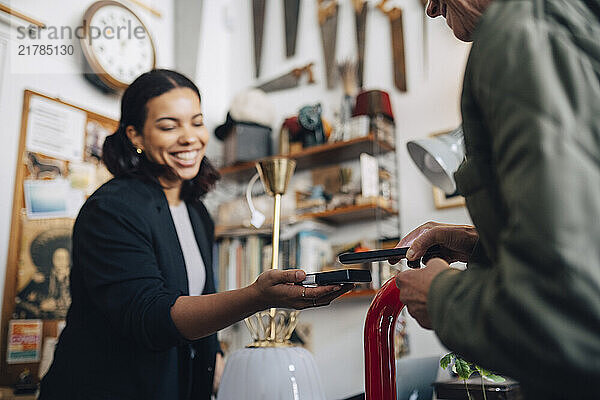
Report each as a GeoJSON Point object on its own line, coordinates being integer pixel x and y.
{"type": "Point", "coordinates": [117, 45]}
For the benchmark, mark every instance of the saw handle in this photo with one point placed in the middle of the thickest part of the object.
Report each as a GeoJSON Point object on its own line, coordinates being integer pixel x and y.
{"type": "Point", "coordinates": [308, 69]}
{"type": "Point", "coordinates": [326, 11]}
{"type": "Point", "coordinates": [393, 13]}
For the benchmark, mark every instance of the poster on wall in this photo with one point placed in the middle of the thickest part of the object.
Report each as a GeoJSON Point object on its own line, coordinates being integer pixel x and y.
{"type": "Point", "coordinates": [55, 129]}
{"type": "Point", "coordinates": [24, 341]}
{"type": "Point", "coordinates": [54, 198]}
{"type": "Point", "coordinates": [43, 269]}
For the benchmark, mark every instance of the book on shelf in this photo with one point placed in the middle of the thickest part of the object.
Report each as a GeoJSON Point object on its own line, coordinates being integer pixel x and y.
{"type": "Point", "coordinates": [239, 261]}
{"type": "Point", "coordinates": [314, 251]}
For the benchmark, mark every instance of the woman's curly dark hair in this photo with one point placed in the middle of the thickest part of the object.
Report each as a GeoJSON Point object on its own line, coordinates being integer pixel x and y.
{"type": "Point", "coordinates": [119, 154]}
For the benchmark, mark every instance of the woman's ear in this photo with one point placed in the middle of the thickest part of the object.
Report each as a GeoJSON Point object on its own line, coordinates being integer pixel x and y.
{"type": "Point", "coordinates": [136, 138]}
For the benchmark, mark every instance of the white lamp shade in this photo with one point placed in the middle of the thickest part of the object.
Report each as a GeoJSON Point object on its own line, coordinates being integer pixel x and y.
{"type": "Point", "coordinates": [438, 158]}
{"type": "Point", "coordinates": [271, 373]}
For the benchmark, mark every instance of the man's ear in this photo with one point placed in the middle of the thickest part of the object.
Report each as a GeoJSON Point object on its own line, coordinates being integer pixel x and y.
{"type": "Point", "coordinates": [136, 138]}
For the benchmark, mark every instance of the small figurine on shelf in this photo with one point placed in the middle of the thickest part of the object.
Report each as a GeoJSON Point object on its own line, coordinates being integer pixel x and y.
{"type": "Point", "coordinates": [309, 118]}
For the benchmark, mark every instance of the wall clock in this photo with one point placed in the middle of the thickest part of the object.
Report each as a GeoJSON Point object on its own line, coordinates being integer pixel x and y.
{"type": "Point", "coordinates": [116, 45]}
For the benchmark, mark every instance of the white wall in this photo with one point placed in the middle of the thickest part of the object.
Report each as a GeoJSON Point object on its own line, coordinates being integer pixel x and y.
{"type": "Point", "coordinates": [226, 66]}
{"type": "Point", "coordinates": [69, 85]}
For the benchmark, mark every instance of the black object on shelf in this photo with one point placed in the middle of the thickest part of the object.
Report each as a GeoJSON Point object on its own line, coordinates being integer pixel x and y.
{"type": "Point", "coordinates": [454, 389]}
{"type": "Point", "coordinates": [25, 384]}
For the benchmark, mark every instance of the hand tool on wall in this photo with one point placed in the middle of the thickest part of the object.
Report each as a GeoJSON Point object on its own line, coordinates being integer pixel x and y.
{"type": "Point", "coordinates": [425, 39]}
{"type": "Point", "coordinates": [395, 16]}
{"type": "Point", "coordinates": [360, 17]}
{"type": "Point", "coordinates": [328, 13]}
{"type": "Point", "coordinates": [292, 13]}
{"type": "Point", "coordinates": [258, 19]}
{"type": "Point", "coordinates": [289, 80]}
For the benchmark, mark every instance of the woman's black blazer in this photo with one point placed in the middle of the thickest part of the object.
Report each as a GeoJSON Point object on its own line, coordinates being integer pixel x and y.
{"type": "Point", "coordinates": [128, 269]}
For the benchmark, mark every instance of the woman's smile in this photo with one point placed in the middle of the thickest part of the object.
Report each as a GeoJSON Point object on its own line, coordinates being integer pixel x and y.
{"type": "Point", "coordinates": [186, 158]}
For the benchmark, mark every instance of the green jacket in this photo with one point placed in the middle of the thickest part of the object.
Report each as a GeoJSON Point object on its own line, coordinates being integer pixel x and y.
{"type": "Point", "coordinates": [528, 305]}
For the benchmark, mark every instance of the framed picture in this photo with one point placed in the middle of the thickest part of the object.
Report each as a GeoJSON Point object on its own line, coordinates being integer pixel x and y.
{"type": "Point", "coordinates": [442, 200]}
{"type": "Point", "coordinates": [43, 269]}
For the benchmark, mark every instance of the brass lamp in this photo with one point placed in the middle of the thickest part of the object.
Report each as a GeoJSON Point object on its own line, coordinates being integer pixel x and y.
{"type": "Point", "coordinates": [272, 328]}
{"type": "Point", "coordinates": [271, 367]}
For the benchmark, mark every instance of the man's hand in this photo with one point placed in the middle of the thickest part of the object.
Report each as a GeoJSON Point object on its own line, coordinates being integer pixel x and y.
{"type": "Point", "coordinates": [432, 239]}
{"type": "Point", "coordinates": [414, 288]}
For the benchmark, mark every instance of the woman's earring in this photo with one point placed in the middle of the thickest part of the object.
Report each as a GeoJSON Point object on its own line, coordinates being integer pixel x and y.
{"type": "Point", "coordinates": [139, 151]}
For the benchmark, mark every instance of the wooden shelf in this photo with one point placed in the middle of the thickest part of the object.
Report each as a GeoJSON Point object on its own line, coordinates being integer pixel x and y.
{"type": "Point", "coordinates": [338, 216]}
{"type": "Point", "coordinates": [237, 231]}
{"type": "Point", "coordinates": [316, 156]}
{"type": "Point", "coordinates": [351, 214]}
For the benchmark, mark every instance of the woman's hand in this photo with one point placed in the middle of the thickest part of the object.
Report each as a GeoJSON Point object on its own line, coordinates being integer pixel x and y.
{"type": "Point", "coordinates": [446, 241]}
{"type": "Point", "coordinates": [276, 288]}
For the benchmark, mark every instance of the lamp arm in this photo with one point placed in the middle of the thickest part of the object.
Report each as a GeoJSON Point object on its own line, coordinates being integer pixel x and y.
{"type": "Point", "coordinates": [257, 218]}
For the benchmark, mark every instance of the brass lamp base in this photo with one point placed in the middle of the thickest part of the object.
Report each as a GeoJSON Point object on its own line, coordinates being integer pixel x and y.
{"type": "Point", "coordinates": [261, 324]}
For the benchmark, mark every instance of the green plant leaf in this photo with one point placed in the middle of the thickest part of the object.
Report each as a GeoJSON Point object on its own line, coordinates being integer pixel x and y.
{"type": "Point", "coordinates": [446, 360]}
{"type": "Point", "coordinates": [494, 378]}
{"type": "Point", "coordinates": [489, 375]}
{"type": "Point", "coordinates": [463, 369]}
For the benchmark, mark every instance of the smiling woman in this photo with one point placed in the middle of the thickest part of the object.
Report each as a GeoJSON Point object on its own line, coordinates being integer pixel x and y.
{"type": "Point", "coordinates": [162, 137]}
{"type": "Point", "coordinates": [144, 306]}
{"type": "Point", "coordinates": [173, 135]}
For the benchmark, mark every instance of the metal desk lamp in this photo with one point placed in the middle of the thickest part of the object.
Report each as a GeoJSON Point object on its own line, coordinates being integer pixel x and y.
{"type": "Point", "coordinates": [438, 157]}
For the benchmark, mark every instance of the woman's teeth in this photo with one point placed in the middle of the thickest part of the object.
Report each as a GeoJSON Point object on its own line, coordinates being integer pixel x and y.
{"type": "Point", "coordinates": [186, 155]}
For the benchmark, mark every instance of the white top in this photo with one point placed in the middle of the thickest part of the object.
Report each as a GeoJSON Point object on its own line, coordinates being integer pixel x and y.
{"type": "Point", "coordinates": [196, 270]}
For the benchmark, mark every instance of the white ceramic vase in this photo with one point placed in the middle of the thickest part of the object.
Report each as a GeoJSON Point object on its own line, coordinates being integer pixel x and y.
{"type": "Point", "coordinates": [271, 373]}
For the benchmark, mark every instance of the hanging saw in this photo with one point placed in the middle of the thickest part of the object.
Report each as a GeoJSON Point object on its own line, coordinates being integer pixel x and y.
{"type": "Point", "coordinates": [258, 19]}
{"type": "Point", "coordinates": [395, 16]}
{"type": "Point", "coordinates": [328, 13]}
{"type": "Point", "coordinates": [291, 13]}
{"type": "Point", "coordinates": [360, 18]}
{"type": "Point", "coordinates": [290, 80]}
